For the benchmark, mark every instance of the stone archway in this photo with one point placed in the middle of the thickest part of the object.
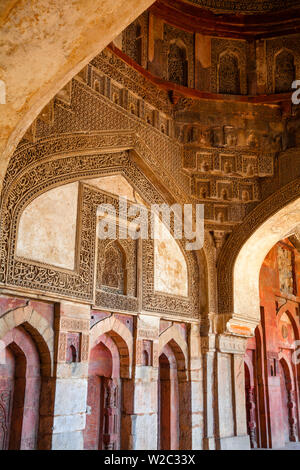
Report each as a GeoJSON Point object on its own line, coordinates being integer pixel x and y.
{"type": "Point", "coordinates": [38, 327]}
{"type": "Point", "coordinates": [168, 401]}
{"type": "Point", "coordinates": [122, 337]}
{"type": "Point", "coordinates": [175, 389]}
{"type": "Point", "coordinates": [179, 346]}
{"type": "Point", "coordinates": [81, 167]}
{"type": "Point", "coordinates": [242, 256]}
{"type": "Point", "coordinates": [26, 379]}
{"type": "Point", "coordinates": [110, 340]}
{"type": "Point", "coordinates": [102, 431]}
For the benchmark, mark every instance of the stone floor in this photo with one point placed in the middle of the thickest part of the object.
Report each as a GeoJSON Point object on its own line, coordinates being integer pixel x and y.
{"type": "Point", "coordinates": [291, 446]}
{"type": "Point", "coordinates": [288, 446]}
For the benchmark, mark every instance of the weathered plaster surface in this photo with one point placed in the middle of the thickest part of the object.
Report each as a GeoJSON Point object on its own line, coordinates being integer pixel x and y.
{"type": "Point", "coordinates": [170, 270]}
{"type": "Point", "coordinates": [115, 184]}
{"type": "Point", "coordinates": [47, 228]}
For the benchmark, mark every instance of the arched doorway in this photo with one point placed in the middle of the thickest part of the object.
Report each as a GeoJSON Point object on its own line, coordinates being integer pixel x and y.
{"type": "Point", "coordinates": [175, 388]}
{"type": "Point", "coordinates": [168, 399]}
{"type": "Point", "coordinates": [265, 229]}
{"type": "Point", "coordinates": [20, 386]}
{"type": "Point", "coordinates": [164, 398]}
{"type": "Point", "coordinates": [270, 354]}
{"type": "Point", "coordinates": [102, 430]}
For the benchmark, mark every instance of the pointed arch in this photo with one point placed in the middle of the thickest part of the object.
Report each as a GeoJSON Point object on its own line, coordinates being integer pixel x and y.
{"type": "Point", "coordinates": [132, 167]}
{"type": "Point", "coordinates": [229, 77]}
{"type": "Point", "coordinates": [178, 63]}
{"type": "Point", "coordinates": [285, 310]}
{"type": "Point", "coordinates": [288, 370]}
{"type": "Point", "coordinates": [123, 338]}
{"type": "Point", "coordinates": [246, 249]}
{"type": "Point", "coordinates": [29, 337]}
{"type": "Point", "coordinates": [175, 340]}
{"type": "Point", "coordinates": [39, 329]}
{"type": "Point", "coordinates": [284, 70]}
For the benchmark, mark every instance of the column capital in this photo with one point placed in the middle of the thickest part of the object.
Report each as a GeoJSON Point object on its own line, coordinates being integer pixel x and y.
{"type": "Point", "coordinates": [228, 323]}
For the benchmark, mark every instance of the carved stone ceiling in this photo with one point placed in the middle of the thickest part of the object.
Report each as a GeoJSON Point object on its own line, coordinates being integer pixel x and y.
{"type": "Point", "coordinates": [246, 6]}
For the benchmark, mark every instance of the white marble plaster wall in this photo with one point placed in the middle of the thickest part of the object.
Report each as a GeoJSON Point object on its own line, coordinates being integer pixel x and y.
{"type": "Point", "coordinates": [47, 227]}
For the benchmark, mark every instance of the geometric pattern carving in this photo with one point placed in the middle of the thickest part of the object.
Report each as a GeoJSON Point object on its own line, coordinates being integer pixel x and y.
{"type": "Point", "coordinates": [116, 274]}
{"type": "Point", "coordinates": [283, 62]}
{"type": "Point", "coordinates": [178, 55]}
{"type": "Point", "coordinates": [228, 71]}
{"type": "Point", "coordinates": [177, 65]}
{"type": "Point", "coordinates": [285, 72]}
{"type": "Point", "coordinates": [113, 270]}
{"type": "Point", "coordinates": [134, 40]}
{"type": "Point", "coordinates": [110, 79]}
{"type": "Point", "coordinates": [80, 125]}
{"type": "Point", "coordinates": [229, 74]}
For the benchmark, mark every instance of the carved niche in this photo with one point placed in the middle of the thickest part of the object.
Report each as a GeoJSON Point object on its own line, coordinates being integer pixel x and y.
{"type": "Point", "coordinates": [179, 56]}
{"type": "Point", "coordinates": [73, 341]}
{"type": "Point", "coordinates": [285, 270]}
{"type": "Point", "coordinates": [292, 413]}
{"type": "Point", "coordinates": [285, 72]}
{"type": "Point", "coordinates": [144, 352]}
{"type": "Point", "coordinates": [116, 285]}
{"type": "Point", "coordinates": [282, 58]}
{"type": "Point", "coordinates": [112, 275]}
{"type": "Point", "coordinates": [134, 40]}
{"type": "Point", "coordinates": [177, 64]}
{"type": "Point", "coordinates": [229, 74]}
{"type": "Point", "coordinates": [229, 65]}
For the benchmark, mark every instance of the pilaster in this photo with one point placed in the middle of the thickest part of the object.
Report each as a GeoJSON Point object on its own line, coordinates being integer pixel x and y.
{"type": "Point", "coordinates": [72, 351]}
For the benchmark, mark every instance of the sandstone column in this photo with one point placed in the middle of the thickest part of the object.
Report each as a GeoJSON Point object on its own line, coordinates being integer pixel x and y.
{"type": "Point", "coordinates": [145, 384]}
{"type": "Point", "coordinates": [72, 350]}
{"type": "Point", "coordinates": [232, 423]}
{"type": "Point", "coordinates": [196, 386]}
{"type": "Point", "coordinates": [224, 392]}
{"type": "Point", "coordinates": [209, 383]}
